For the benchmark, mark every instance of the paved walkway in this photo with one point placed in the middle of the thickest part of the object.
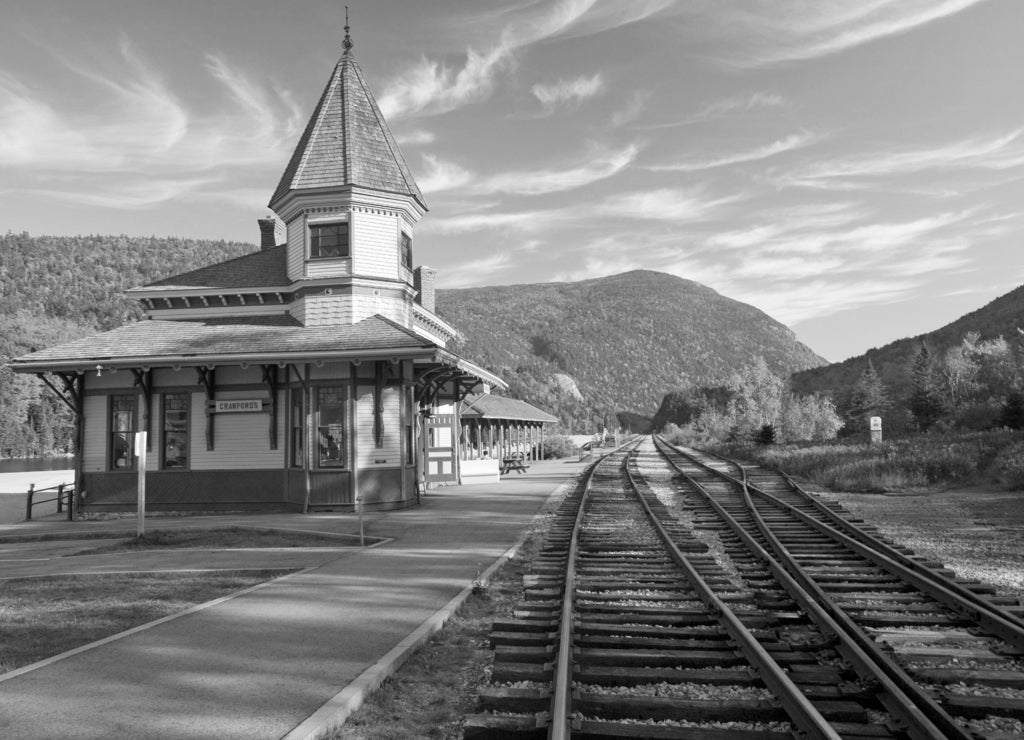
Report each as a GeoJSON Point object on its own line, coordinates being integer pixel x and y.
{"type": "Point", "coordinates": [258, 665]}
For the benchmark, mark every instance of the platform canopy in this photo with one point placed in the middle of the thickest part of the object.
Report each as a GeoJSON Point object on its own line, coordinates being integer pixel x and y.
{"type": "Point", "coordinates": [502, 427]}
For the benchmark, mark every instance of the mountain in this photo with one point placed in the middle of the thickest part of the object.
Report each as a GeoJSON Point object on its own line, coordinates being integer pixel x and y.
{"type": "Point", "coordinates": [594, 352]}
{"type": "Point", "coordinates": [1001, 317]}
{"type": "Point", "coordinates": [626, 340]}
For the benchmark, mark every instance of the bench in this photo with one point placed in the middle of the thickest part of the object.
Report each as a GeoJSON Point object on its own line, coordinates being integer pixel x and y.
{"type": "Point", "coordinates": [514, 463]}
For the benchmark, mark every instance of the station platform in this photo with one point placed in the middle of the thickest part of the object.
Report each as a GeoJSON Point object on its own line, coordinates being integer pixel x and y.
{"type": "Point", "coordinates": [286, 659]}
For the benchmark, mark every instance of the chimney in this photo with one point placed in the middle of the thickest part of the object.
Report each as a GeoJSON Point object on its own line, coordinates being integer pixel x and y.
{"type": "Point", "coordinates": [423, 282]}
{"type": "Point", "coordinates": [268, 232]}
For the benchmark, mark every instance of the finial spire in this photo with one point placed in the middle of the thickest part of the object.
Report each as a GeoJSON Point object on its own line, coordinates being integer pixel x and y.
{"type": "Point", "coordinates": [347, 43]}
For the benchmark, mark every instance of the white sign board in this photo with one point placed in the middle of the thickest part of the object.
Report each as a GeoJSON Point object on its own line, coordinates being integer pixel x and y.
{"type": "Point", "coordinates": [876, 423]}
{"type": "Point", "coordinates": [246, 405]}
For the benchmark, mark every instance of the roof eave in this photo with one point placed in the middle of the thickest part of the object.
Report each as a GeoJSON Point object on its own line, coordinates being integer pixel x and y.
{"type": "Point", "coordinates": [445, 357]}
{"type": "Point", "coordinates": [191, 360]}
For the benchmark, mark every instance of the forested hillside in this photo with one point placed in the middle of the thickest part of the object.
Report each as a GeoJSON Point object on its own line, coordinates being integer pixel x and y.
{"type": "Point", "coordinates": [1003, 317]}
{"type": "Point", "coordinates": [55, 288]}
{"type": "Point", "coordinates": [626, 340]}
{"type": "Point", "coordinates": [968, 374]}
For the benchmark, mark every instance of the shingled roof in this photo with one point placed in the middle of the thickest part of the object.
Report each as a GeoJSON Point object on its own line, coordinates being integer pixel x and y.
{"type": "Point", "coordinates": [146, 342]}
{"type": "Point", "coordinates": [488, 406]}
{"type": "Point", "coordinates": [267, 268]}
{"type": "Point", "coordinates": [347, 142]}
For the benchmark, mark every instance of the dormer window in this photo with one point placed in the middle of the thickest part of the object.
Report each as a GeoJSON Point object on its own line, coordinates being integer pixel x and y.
{"type": "Point", "coordinates": [328, 241]}
{"type": "Point", "coordinates": [405, 242]}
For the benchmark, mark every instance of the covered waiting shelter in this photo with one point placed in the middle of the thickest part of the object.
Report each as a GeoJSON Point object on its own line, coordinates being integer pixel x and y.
{"type": "Point", "coordinates": [499, 427]}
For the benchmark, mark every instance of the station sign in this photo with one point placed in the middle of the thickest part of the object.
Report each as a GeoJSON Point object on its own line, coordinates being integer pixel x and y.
{"type": "Point", "coordinates": [236, 406]}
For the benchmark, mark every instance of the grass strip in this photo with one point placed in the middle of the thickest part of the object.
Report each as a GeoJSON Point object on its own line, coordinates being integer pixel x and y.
{"type": "Point", "coordinates": [43, 617]}
{"type": "Point", "coordinates": [223, 538]}
{"type": "Point", "coordinates": [432, 692]}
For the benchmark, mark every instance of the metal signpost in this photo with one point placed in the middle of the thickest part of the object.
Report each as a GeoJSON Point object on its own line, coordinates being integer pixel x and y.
{"type": "Point", "coordinates": [140, 460]}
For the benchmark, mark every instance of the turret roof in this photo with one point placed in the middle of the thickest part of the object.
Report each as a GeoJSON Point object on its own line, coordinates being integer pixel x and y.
{"type": "Point", "coordinates": [347, 142]}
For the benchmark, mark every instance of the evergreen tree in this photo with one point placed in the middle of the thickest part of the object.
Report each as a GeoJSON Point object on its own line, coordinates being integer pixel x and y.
{"type": "Point", "coordinates": [868, 398]}
{"type": "Point", "coordinates": [925, 403]}
{"type": "Point", "coordinates": [1012, 414]}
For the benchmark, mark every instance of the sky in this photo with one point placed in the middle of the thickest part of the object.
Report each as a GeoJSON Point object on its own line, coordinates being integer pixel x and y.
{"type": "Point", "coordinates": [854, 168]}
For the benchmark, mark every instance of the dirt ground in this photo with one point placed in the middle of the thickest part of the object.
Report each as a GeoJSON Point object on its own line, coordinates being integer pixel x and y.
{"type": "Point", "coordinates": [977, 533]}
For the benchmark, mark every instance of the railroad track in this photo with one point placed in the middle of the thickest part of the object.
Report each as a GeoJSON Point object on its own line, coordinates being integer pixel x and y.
{"type": "Point", "coordinates": [680, 595]}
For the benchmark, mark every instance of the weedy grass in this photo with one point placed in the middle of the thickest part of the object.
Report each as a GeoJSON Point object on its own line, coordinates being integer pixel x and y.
{"type": "Point", "coordinates": [926, 461]}
{"type": "Point", "coordinates": [43, 617]}
{"type": "Point", "coordinates": [221, 538]}
{"type": "Point", "coordinates": [432, 692]}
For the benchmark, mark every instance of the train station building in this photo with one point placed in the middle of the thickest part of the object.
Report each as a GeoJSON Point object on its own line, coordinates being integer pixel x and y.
{"type": "Point", "coordinates": [308, 374]}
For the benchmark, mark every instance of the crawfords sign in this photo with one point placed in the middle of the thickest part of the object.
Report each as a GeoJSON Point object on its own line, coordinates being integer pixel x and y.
{"type": "Point", "coordinates": [237, 406]}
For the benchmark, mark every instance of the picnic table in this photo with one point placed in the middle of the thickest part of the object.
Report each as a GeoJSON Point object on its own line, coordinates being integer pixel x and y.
{"type": "Point", "coordinates": [514, 463]}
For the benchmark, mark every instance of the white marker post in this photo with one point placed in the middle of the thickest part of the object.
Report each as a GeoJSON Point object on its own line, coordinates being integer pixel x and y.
{"type": "Point", "coordinates": [140, 461]}
{"type": "Point", "coordinates": [876, 429]}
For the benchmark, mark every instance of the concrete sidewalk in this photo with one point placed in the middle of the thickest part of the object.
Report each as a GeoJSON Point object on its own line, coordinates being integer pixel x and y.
{"type": "Point", "coordinates": [260, 664]}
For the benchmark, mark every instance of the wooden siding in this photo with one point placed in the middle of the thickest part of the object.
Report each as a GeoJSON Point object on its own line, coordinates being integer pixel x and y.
{"type": "Point", "coordinates": [203, 490]}
{"type": "Point", "coordinates": [375, 248]}
{"type": "Point", "coordinates": [369, 455]}
{"type": "Point", "coordinates": [271, 307]}
{"type": "Point", "coordinates": [326, 310]}
{"type": "Point", "coordinates": [331, 371]}
{"type": "Point", "coordinates": [382, 489]}
{"type": "Point", "coordinates": [241, 441]}
{"type": "Point", "coordinates": [297, 248]}
{"type": "Point", "coordinates": [94, 447]}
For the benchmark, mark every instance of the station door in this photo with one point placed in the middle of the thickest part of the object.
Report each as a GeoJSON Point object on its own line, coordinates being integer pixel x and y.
{"type": "Point", "coordinates": [440, 448]}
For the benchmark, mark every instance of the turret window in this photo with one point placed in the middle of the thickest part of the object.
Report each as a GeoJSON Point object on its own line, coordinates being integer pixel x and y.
{"type": "Point", "coordinates": [406, 248]}
{"type": "Point", "coordinates": [328, 241]}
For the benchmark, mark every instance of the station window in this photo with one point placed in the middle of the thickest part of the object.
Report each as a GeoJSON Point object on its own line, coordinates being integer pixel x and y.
{"type": "Point", "coordinates": [122, 432]}
{"type": "Point", "coordinates": [297, 426]}
{"type": "Point", "coordinates": [328, 241]}
{"type": "Point", "coordinates": [330, 426]}
{"type": "Point", "coordinates": [405, 242]}
{"type": "Point", "coordinates": [176, 442]}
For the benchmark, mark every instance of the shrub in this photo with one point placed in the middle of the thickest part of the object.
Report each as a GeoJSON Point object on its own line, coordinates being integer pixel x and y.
{"type": "Point", "coordinates": [1008, 466]}
{"type": "Point", "coordinates": [1012, 412]}
{"type": "Point", "coordinates": [977, 417]}
{"type": "Point", "coordinates": [557, 446]}
{"type": "Point", "coordinates": [765, 435]}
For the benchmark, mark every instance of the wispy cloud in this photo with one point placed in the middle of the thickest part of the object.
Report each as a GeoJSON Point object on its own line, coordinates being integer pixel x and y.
{"type": "Point", "coordinates": [632, 110]}
{"type": "Point", "coordinates": [667, 205]}
{"type": "Point", "coordinates": [598, 163]}
{"type": "Point", "coordinates": [442, 175]}
{"type": "Point", "coordinates": [136, 127]}
{"type": "Point", "coordinates": [595, 164]}
{"type": "Point", "coordinates": [133, 194]}
{"type": "Point", "coordinates": [431, 87]}
{"type": "Point", "coordinates": [417, 137]}
{"type": "Point", "coordinates": [466, 274]}
{"type": "Point", "coordinates": [664, 204]}
{"type": "Point", "coordinates": [791, 142]}
{"type": "Point", "coordinates": [738, 105]}
{"type": "Point", "coordinates": [569, 93]}
{"type": "Point", "coordinates": [732, 106]}
{"type": "Point", "coordinates": [777, 31]}
{"type": "Point", "coordinates": [999, 152]}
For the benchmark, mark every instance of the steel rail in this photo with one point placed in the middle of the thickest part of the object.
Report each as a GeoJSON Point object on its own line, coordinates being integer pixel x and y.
{"type": "Point", "coordinates": [802, 713]}
{"type": "Point", "coordinates": [1013, 633]}
{"type": "Point", "coordinates": [947, 592]}
{"type": "Point", "coordinates": [561, 686]}
{"type": "Point", "coordinates": [924, 718]}
{"type": "Point", "coordinates": [860, 535]}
